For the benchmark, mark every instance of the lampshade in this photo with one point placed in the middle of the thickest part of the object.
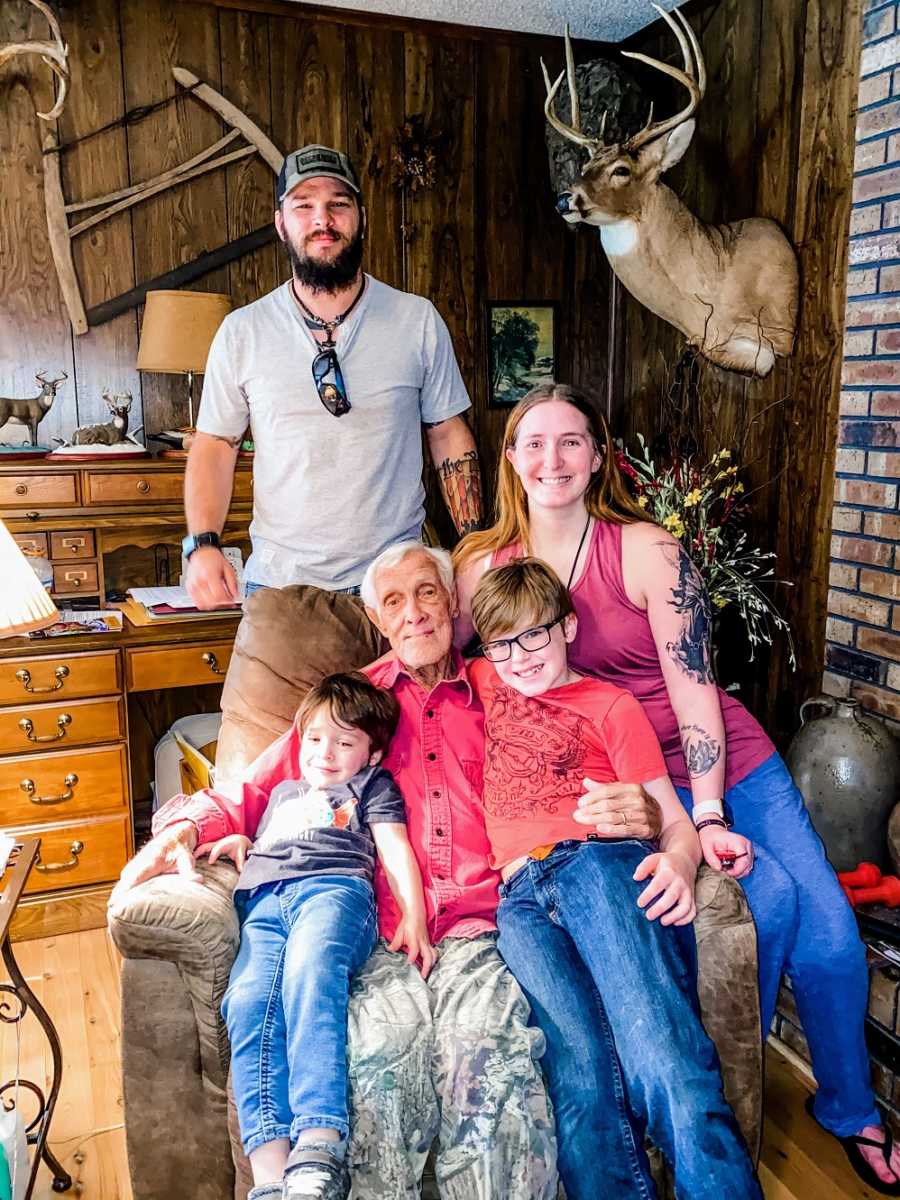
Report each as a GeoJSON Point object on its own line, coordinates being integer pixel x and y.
{"type": "Point", "coordinates": [178, 328]}
{"type": "Point", "coordinates": [24, 603]}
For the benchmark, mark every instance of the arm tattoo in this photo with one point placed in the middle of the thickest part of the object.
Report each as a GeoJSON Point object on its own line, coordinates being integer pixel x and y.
{"type": "Point", "coordinates": [691, 651]}
{"type": "Point", "coordinates": [233, 442]}
{"type": "Point", "coordinates": [701, 752]}
{"type": "Point", "coordinates": [461, 487]}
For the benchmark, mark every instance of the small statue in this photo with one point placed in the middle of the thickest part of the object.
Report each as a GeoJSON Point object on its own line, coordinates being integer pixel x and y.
{"type": "Point", "coordinates": [32, 411]}
{"type": "Point", "coordinates": [114, 432]}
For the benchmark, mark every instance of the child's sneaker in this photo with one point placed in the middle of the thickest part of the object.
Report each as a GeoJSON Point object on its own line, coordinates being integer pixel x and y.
{"type": "Point", "coordinates": [314, 1174]}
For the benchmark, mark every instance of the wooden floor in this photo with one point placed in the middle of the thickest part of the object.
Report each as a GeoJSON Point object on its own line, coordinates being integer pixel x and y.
{"type": "Point", "coordinates": [76, 977]}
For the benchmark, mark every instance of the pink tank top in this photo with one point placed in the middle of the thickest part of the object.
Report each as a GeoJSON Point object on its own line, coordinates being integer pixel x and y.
{"type": "Point", "coordinates": [615, 643]}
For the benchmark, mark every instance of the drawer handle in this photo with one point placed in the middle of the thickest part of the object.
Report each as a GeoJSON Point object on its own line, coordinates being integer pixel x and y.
{"type": "Point", "coordinates": [143, 486]}
{"type": "Point", "coordinates": [27, 786]}
{"type": "Point", "coordinates": [73, 544]}
{"type": "Point", "coordinates": [75, 849]}
{"type": "Point", "coordinates": [76, 578]}
{"type": "Point", "coordinates": [21, 489]}
{"type": "Point", "coordinates": [24, 677]}
{"type": "Point", "coordinates": [28, 729]}
{"type": "Point", "coordinates": [213, 663]}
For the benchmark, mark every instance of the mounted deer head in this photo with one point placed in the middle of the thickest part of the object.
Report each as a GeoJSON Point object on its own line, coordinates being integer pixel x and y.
{"type": "Point", "coordinates": [55, 54]}
{"type": "Point", "coordinates": [731, 289]}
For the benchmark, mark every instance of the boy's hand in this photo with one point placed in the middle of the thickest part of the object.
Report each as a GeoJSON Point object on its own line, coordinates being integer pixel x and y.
{"type": "Point", "coordinates": [413, 935]}
{"type": "Point", "coordinates": [724, 851]}
{"type": "Point", "coordinates": [670, 893]}
{"type": "Point", "coordinates": [235, 847]}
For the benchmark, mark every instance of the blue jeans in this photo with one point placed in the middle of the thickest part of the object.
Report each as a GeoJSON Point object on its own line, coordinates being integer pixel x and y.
{"type": "Point", "coordinates": [302, 941]}
{"type": "Point", "coordinates": [806, 929]}
{"type": "Point", "coordinates": [250, 588]}
{"type": "Point", "coordinates": [615, 996]}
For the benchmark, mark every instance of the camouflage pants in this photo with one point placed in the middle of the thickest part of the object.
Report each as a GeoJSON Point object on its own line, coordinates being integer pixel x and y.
{"type": "Point", "coordinates": [451, 1058]}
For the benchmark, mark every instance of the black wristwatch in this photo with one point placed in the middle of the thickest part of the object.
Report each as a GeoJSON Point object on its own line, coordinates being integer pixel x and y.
{"type": "Point", "coordinates": [194, 541]}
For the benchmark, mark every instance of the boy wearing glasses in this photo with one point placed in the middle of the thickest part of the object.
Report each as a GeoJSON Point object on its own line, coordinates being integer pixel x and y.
{"type": "Point", "coordinates": [550, 733]}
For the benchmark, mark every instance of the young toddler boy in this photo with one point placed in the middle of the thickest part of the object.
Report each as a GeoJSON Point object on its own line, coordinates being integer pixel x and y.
{"type": "Point", "coordinates": [307, 912]}
{"type": "Point", "coordinates": [571, 920]}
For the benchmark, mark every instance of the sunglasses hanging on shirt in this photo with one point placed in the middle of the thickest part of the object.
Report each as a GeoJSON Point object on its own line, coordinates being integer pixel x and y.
{"type": "Point", "coordinates": [326, 370]}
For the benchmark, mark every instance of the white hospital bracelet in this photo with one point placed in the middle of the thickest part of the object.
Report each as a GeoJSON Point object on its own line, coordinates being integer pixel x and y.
{"type": "Point", "coordinates": [707, 808]}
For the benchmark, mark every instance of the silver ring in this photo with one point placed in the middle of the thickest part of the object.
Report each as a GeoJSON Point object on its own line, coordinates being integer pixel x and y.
{"type": "Point", "coordinates": [624, 818]}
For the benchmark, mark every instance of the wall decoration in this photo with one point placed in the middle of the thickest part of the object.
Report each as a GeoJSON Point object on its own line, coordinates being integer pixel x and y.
{"type": "Point", "coordinates": [523, 349]}
{"type": "Point", "coordinates": [55, 54]}
{"type": "Point", "coordinates": [62, 234]}
{"type": "Point", "coordinates": [733, 289]}
{"type": "Point", "coordinates": [32, 411]}
{"type": "Point", "coordinates": [413, 155]}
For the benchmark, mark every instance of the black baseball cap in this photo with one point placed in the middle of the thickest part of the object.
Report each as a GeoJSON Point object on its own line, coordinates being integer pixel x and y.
{"type": "Point", "coordinates": [310, 162]}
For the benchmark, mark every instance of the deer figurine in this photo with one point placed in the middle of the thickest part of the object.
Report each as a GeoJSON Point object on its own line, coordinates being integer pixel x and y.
{"type": "Point", "coordinates": [733, 289]}
{"type": "Point", "coordinates": [113, 432]}
{"type": "Point", "coordinates": [32, 411]}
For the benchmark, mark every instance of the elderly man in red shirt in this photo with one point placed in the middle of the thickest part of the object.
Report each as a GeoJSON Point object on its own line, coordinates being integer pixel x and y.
{"type": "Point", "coordinates": [452, 1057]}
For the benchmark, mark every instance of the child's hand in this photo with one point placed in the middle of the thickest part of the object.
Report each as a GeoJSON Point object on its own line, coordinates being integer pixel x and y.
{"type": "Point", "coordinates": [670, 893]}
{"type": "Point", "coordinates": [413, 935]}
{"type": "Point", "coordinates": [724, 851]}
{"type": "Point", "coordinates": [235, 847]}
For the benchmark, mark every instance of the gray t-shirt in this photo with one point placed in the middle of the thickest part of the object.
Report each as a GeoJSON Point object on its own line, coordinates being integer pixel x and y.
{"type": "Point", "coordinates": [330, 493]}
{"type": "Point", "coordinates": [322, 831]}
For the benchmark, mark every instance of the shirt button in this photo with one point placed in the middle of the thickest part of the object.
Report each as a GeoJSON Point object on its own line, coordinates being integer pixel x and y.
{"type": "Point", "coordinates": [439, 832]}
{"type": "Point", "coordinates": [443, 908]}
{"type": "Point", "coordinates": [432, 756]}
{"type": "Point", "coordinates": [430, 712]}
{"type": "Point", "coordinates": [437, 795]}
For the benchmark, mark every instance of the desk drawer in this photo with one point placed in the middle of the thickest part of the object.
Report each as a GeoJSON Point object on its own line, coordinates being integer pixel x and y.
{"type": "Point", "coordinates": [68, 580]}
{"type": "Point", "coordinates": [60, 724]}
{"type": "Point", "coordinates": [37, 491]}
{"type": "Point", "coordinates": [58, 677]}
{"type": "Point", "coordinates": [135, 487]}
{"type": "Point", "coordinates": [32, 543]}
{"type": "Point", "coordinates": [177, 666]}
{"type": "Point", "coordinates": [79, 853]}
{"type": "Point", "coordinates": [77, 544]}
{"type": "Point", "coordinates": [62, 786]}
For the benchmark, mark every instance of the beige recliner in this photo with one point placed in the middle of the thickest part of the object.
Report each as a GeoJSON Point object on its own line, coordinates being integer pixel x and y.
{"type": "Point", "coordinates": [178, 940]}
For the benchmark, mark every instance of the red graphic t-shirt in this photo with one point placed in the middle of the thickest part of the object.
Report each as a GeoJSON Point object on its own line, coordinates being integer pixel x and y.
{"type": "Point", "coordinates": [539, 749]}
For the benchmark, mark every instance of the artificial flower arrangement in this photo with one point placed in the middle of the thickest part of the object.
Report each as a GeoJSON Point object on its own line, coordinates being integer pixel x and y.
{"type": "Point", "coordinates": [703, 505]}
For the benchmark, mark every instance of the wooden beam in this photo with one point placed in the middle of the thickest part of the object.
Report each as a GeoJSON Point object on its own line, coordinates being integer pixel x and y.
{"type": "Point", "coordinates": [186, 273]}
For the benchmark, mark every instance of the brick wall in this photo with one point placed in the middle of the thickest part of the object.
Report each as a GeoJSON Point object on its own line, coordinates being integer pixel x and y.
{"type": "Point", "coordinates": [863, 631]}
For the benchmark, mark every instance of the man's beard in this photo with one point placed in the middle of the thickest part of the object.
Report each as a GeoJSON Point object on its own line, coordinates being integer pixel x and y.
{"type": "Point", "coordinates": [327, 276]}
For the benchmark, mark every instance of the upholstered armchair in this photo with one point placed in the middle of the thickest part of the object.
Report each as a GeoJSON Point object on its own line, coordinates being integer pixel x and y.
{"type": "Point", "coordinates": [178, 940]}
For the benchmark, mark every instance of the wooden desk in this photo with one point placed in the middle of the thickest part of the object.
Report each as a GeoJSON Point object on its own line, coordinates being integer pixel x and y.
{"type": "Point", "coordinates": [80, 716]}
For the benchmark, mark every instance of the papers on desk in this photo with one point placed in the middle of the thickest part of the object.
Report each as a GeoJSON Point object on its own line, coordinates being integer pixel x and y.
{"type": "Point", "coordinates": [147, 605]}
{"type": "Point", "coordinates": [73, 621]}
{"type": "Point", "coordinates": [162, 597]}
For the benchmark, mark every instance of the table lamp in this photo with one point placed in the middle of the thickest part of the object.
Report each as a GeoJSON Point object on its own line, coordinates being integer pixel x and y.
{"type": "Point", "coordinates": [24, 602]}
{"type": "Point", "coordinates": [176, 334]}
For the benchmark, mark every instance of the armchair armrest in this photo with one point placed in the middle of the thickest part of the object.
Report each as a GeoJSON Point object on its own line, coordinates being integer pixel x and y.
{"type": "Point", "coordinates": [194, 927]}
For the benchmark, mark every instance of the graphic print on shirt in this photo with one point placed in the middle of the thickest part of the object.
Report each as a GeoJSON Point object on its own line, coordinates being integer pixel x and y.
{"type": "Point", "coordinates": [533, 756]}
{"type": "Point", "coordinates": [296, 818]}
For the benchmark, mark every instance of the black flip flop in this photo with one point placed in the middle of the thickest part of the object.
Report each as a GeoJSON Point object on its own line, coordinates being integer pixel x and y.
{"type": "Point", "coordinates": [858, 1163]}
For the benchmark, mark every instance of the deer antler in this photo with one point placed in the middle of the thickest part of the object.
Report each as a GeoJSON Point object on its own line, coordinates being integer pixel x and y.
{"type": "Point", "coordinates": [573, 132]}
{"type": "Point", "coordinates": [55, 54]}
{"type": "Point", "coordinates": [693, 77]}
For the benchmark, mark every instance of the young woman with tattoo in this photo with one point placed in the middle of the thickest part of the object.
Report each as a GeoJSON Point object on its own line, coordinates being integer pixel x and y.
{"type": "Point", "coordinates": [644, 624]}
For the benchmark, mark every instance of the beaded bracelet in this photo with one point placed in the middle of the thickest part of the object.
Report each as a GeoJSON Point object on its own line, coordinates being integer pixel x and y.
{"type": "Point", "coordinates": [718, 821]}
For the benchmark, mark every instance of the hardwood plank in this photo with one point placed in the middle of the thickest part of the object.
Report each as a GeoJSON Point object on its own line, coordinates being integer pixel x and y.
{"type": "Point", "coordinates": [104, 262]}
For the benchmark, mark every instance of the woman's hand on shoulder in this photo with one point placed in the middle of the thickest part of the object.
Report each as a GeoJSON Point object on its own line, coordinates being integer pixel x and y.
{"type": "Point", "coordinates": [669, 895]}
{"type": "Point", "coordinates": [726, 851]}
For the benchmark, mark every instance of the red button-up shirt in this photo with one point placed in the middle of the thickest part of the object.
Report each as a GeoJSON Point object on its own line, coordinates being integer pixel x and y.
{"type": "Point", "coordinates": [436, 757]}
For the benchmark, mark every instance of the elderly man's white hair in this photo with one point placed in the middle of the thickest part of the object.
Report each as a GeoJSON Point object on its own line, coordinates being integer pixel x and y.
{"type": "Point", "coordinates": [394, 555]}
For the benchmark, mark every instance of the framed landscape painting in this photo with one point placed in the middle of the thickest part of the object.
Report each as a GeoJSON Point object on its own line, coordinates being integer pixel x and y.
{"type": "Point", "coordinates": [522, 349]}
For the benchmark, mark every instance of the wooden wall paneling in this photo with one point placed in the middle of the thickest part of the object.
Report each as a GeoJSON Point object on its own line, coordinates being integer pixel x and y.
{"type": "Point", "coordinates": [308, 82]}
{"type": "Point", "coordinates": [180, 223]}
{"type": "Point", "coordinates": [105, 356]}
{"type": "Point", "coordinates": [440, 81]}
{"type": "Point", "coordinates": [374, 114]}
{"type": "Point", "coordinates": [824, 190]}
{"type": "Point", "coordinates": [35, 334]}
{"type": "Point", "coordinates": [250, 184]}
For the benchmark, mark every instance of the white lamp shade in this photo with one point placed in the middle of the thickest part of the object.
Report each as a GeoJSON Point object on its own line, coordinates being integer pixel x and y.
{"type": "Point", "coordinates": [24, 602]}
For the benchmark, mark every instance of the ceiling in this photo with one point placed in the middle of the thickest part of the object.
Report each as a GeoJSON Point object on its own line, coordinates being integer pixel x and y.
{"type": "Point", "coordinates": [598, 20]}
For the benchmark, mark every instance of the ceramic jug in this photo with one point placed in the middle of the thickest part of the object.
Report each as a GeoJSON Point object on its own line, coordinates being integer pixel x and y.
{"type": "Point", "coordinates": [847, 766]}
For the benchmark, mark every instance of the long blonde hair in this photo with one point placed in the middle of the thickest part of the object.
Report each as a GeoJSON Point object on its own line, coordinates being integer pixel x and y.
{"type": "Point", "coordinates": [606, 498]}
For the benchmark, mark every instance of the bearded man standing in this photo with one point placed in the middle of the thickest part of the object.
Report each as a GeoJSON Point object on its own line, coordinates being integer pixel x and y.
{"type": "Point", "coordinates": [335, 373]}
